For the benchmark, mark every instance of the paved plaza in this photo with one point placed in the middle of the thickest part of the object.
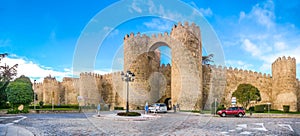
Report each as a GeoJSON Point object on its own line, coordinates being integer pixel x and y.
{"type": "Point", "coordinates": [179, 123]}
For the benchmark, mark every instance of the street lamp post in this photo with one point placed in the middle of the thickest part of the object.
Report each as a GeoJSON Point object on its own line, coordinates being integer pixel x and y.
{"type": "Point", "coordinates": [127, 77]}
{"type": "Point", "coordinates": [34, 94]}
{"type": "Point", "coordinates": [268, 106]}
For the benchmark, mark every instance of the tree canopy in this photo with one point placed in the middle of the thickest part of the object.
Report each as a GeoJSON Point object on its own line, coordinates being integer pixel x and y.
{"type": "Point", "coordinates": [7, 73]}
{"type": "Point", "coordinates": [20, 91]}
{"type": "Point", "coordinates": [246, 93]}
{"type": "Point", "coordinates": [207, 59]}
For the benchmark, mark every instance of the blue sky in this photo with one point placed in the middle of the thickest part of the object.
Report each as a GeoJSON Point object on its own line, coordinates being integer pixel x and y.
{"type": "Point", "coordinates": [45, 37]}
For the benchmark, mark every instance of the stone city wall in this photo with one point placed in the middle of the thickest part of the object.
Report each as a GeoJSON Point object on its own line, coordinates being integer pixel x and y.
{"type": "Point", "coordinates": [187, 82]}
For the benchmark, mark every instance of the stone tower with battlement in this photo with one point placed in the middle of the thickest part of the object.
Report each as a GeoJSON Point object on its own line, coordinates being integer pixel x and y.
{"type": "Point", "coordinates": [185, 44]}
{"type": "Point", "coordinates": [285, 87]}
{"type": "Point", "coordinates": [52, 91]}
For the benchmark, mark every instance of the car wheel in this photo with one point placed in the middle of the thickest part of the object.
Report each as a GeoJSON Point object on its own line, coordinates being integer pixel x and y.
{"type": "Point", "coordinates": [223, 114]}
{"type": "Point", "coordinates": [240, 115]}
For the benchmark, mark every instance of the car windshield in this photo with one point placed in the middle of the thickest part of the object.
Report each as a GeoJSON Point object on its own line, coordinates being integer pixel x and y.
{"type": "Point", "coordinates": [232, 108]}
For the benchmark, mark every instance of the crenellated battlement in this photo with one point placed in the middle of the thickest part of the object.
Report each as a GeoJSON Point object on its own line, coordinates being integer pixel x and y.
{"type": "Point", "coordinates": [66, 79]}
{"type": "Point", "coordinates": [284, 67]}
{"type": "Point", "coordinates": [138, 36]}
{"type": "Point", "coordinates": [110, 75]}
{"type": "Point", "coordinates": [186, 26]}
{"type": "Point", "coordinates": [39, 84]}
{"type": "Point", "coordinates": [231, 70]}
{"type": "Point", "coordinates": [191, 27]}
{"type": "Point", "coordinates": [90, 74]}
{"type": "Point", "coordinates": [281, 60]}
{"type": "Point", "coordinates": [132, 35]}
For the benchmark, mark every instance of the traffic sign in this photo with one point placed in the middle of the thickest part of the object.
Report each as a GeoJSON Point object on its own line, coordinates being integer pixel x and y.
{"type": "Point", "coordinates": [233, 100]}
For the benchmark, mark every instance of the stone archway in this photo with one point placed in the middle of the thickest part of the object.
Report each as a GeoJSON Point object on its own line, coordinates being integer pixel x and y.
{"type": "Point", "coordinates": [186, 70]}
{"type": "Point", "coordinates": [168, 102]}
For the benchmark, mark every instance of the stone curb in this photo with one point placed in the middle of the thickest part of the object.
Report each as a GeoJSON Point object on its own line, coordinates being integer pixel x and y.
{"type": "Point", "coordinates": [143, 117]}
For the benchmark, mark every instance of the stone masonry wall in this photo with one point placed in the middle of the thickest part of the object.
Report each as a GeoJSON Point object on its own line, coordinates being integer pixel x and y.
{"type": "Point", "coordinates": [298, 95]}
{"type": "Point", "coordinates": [51, 90]}
{"type": "Point", "coordinates": [284, 91]}
{"type": "Point", "coordinates": [71, 89]}
{"type": "Point", "coordinates": [222, 82]}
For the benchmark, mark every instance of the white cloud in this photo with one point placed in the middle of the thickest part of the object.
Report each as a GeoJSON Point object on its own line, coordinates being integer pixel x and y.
{"type": "Point", "coordinates": [161, 25]}
{"type": "Point", "coordinates": [239, 64]}
{"type": "Point", "coordinates": [35, 71]}
{"type": "Point", "coordinates": [280, 46]}
{"type": "Point", "coordinates": [112, 32]}
{"type": "Point", "coordinates": [135, 7]}
{"type": "Point", "coordinates": [242, 15]}
{"type": "Point", "coordinates": [265, 39]}
{"type": "Point", "coordinates": [265, 67]}
{"type": "Point", "coordinates": [262, 14]}
{"type": "Point", "coordinates": [206, 12]}
{"type": "Point", "coordinates": [103, 71]}
{"type": "Point", "coordinates": [160, 10]}
{"type": "Point", "coordinates": [251, 47]}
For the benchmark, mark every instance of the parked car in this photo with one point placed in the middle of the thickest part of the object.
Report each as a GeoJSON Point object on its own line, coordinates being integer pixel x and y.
{"type": "Point", "coordinates": [158, 107]}
{"type": "Point", "coordinates": [232, 111]}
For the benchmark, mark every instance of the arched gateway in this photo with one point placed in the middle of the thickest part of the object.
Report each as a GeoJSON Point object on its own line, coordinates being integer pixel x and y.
{"type": "Point", "coordinates": [186, 71]}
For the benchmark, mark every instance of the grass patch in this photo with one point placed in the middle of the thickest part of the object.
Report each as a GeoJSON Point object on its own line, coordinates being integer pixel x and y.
{"type": "Point", "coordinates": [129, 114]}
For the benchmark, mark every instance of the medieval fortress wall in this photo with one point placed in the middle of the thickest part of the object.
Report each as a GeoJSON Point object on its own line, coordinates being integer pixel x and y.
{"type": "Point", "coordinates": [187, 82]}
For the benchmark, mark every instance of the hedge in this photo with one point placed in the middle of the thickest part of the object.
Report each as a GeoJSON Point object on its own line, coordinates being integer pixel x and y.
{"type": "Point", "coordinates": [56, 106]}
{"type": "Point", "coordinates": [259, 108]}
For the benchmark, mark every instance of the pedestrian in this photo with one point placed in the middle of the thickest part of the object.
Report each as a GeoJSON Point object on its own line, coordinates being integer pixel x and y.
{"type": "Point", "coordinates": [174, 107]}
{"type": "Point", "coordinates": [146, 108]}
{"type": "Point", "coordinates": [177, 105]}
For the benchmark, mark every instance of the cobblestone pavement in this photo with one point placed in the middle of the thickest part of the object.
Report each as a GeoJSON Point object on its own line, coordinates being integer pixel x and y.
{"type": "Point", "coordinates": [159, 124]}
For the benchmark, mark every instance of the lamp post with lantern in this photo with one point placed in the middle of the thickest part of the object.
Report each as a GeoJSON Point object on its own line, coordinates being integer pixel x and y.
{"type": "Point", "coordinates": [34, 94]}
{"type": "Point", "coordinates": [127, 77]}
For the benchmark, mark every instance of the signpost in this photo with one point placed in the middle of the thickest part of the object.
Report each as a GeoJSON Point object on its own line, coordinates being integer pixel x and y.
{"type": "Point", "coordinates": [98, 109]}
{"type": "Point", "coordinates": [233, 101]}
{"type": "Point", "coordinates": [268, 106]}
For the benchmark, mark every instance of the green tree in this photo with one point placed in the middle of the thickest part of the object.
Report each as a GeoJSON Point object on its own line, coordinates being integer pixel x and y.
{"type": "Point", "coordinates": [207, 59]}
{"type": "Point", "coordinates": [246, 93]}
{"type": "Point", "coordinates": [20, 92]}
{"type": "Point", "coordinates": [7, 73]}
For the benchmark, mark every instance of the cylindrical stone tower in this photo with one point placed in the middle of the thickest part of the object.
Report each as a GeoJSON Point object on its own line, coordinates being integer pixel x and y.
{"type": "Point", "coordinates": [284, 90]}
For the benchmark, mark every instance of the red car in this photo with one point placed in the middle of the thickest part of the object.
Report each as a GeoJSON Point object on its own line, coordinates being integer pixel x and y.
{"type": "Point", "coordinates": [232, 111]}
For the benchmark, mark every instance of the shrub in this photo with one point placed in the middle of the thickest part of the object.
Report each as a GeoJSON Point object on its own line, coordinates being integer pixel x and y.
{"type": "Point", "coordinates": [13, 111]}
{"type": "Point", "coordinates": [7, 105]}
{"type": "Point", "coordinates": [25, 110]}
{"type": "Point", "coordinates": [62, 106]}
{"type": "Point", "coordinates": [129, 114]}
{"type": "Point", "coordinates": [259, 108]}
{"type": "Point", "coordinates": [251, 108]}
{"type": "Point", "coordinates": [16, 111]}
{"type": "Point", "coordinates": [286, 108]}
{"type": "Point", "coordinates": [220, 107]}
{"type": "Point", "coordinates": [41, 103]}
{"type": "Point", "coordinates": [119, 108]}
